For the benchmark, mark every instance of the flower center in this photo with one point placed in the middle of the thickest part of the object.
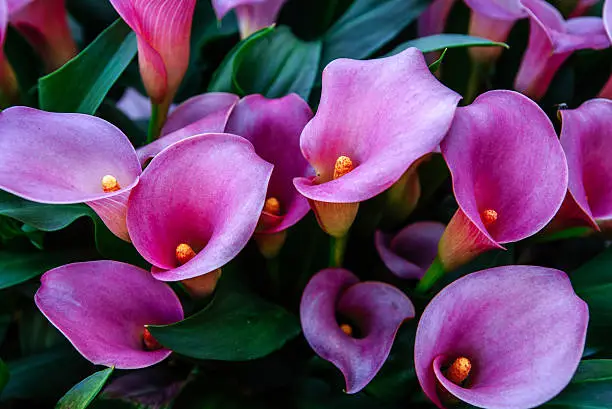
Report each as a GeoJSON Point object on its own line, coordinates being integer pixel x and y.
{"type": "Point", "coordinates": [459, 370]}
{"type": "Point", "coordinates": [489, 217]}
{"type": "Point", "coordinates": [149, 342]}
{"type": "Point", "coordinates": [184, 253]}
{"type": "Point", "coordinates": [272, 206]}
{"type": "Point", "coordinates": [347, 329]}
{"type": "Point", "coordinates": [110, 184]}
{"type": "Point", "coordinates": [343, 165]}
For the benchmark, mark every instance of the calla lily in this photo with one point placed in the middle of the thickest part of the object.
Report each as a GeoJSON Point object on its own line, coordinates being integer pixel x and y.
{"type": "Point", "coordinates": [606, 92]}
{"type": "Point", "coordinates": [586, 136]}
{"type": "Point", "coordinates": [103, 308]}
{"type": "Point", "coordinates": [253, 15]}
{"type": "Point", "coordinates": [352, 324]}
{"type": "Point", "coordinates": [163, 29]}
{"type": "Point", "coordinates": [506, 191]}
{"type": "Point", "coordinates": [44, 23]}
{"type": "Point", "coordinates": [206, 113]}
{"type": "Point", "coordinates": [489, 347]}
{"type": "Point", "coordinates": [410, 252]}
{"type": "Point", "coordinates": [197, 205]}
{"type": "Point", "coordinates": [68, 158]}
{"type": "Point", "coordinates": [551, 41]}
{"type": "Point", "coordinates": [357, 156]}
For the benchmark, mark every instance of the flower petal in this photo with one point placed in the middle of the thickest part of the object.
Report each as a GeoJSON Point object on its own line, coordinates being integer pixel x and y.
{"type": "Point", "coordinates": [253, 15]}
{"type": "Point", "coordinates": [206, 191]}
{"type": "Point", "coordinates": [509, 10]}
{"type": "Point", "coordinates": [531, 333]}
{"type": "Point", "coordinates": [102, 308]}
{"type": "Point", "coordinates": [273, 126]}
{"type": "Point", "coordinates": [356, 94]}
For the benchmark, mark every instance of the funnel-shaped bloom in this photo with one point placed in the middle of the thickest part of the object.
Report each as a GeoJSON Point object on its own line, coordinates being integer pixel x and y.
{"type": "Point", "coordinates": [103, 308]}
{"type": "Point", "coordinates": [352, 324]}
{"type": "Point", "coordinates": [197, 205]}
{"type": "Point", "coordinates": [206, 113]}
{"type": "Point", "coordinates": [274, 126]}
{"type": "Point", "coordinates": [253, 15]}
{"type": "Point", "coordinates": [375, 119]}
{"type": "Point", "coordinates": [551, 41]}
{"type": "Point", "coordinates": [410, 252]}
{"type": "Point", "coordinates": [507, 337]}
{"type": "Point", "coordinates": [44, 23]}
{"type": "Point", "coordinates": [586, 137]}
{"type": "Point", "coordinates": [68, 158]}
{"type": "Point", "coordinates": [163, 28]}
{"type": "Point", "coordinates": [505, 189]}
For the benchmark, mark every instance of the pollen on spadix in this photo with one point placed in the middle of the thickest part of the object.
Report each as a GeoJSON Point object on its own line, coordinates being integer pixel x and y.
{"type": "Point", "coordinates": [184, 253]}
{"type": "Point", "coordinates": [110, 184]}
{"type": "Point", "coordinates": [489, 216]}
{"type": "Point", "coordinates": [272, 206]}
{"type": "Point", "coordinates": [347, 329]}
{"type": "Point", "coordinates": [459, 370]}
{"type": "Point", "coordinates": [343, 165]}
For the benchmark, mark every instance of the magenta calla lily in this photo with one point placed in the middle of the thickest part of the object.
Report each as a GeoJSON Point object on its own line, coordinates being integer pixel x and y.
{"type": "Point", "coordinates": [360, 158]}
{"type": "Point", "coordinates": [373, 312]}
{"type": "Point", "coordinates": [103, 308]}
{"type": "Point", "coordinates": [410, 252]}
{"type": "Point", "coordinates": [274, 126]}
{"type": "Point", "coordinates": [253, 15]}
{"type": "Point", "coordinates": [586, 137]}
{"type": "Point", "coordinates": [506, 191]}
{"type": "Point", "coordinates": [203, 195]}
{"type": "Point", "coordinates": [163, 29]}
{"type": "Point", "coordinates": [44, 23]}
{"type": "Point", "coordinates": [551, 41]}
{"type": "Point", "coordinates": [64, 158]}
{"type": "Point", "coordinates": [489, 347]}
{"type": "Point", "coordinates": [206, 113]}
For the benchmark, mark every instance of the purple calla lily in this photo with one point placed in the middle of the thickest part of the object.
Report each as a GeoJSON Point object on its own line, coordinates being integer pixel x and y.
{"type": "Point", "coordinates": [68, 158]}
{"type": "Point", "coordinates": [506, 191]}
{"type": "Point", "coordinates": [253, 15]}
{"type": "Point", "coordinates": [103, 308]}
{"type": "Point", "coordinates": [197, 205]}
{"type": "Point", "coordinates": [360, 158]}
{"type": "Point", "coordinates": [551, 41]}
{"type": "Point", "coordinates": [370, 314]}
{"type": "Point", "coordinates": [514, 348]}
{"type": "Point", "coordinates": [410, 252]}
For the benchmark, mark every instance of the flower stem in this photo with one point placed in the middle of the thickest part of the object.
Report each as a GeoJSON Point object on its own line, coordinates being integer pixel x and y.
{"type": "Point", "coordinates": [337, 250]}
{"type": "Point", "coordinates": [159, 114]}
{"type": "Point", "coordinates": [432, 275]}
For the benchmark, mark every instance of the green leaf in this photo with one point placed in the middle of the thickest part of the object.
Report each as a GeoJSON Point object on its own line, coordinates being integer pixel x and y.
{"type": "Point", "coordinates": [591, 387]}
{"type": "Point", "coordinates": [236, 326]}
{"type": "Point", "coordinates": [593, 283]}
{"type": "Point", "coordinates": [81, 395]}
{"type": "Point", "coordinates": [434, 66]}
{"type": "Point", "coordinates": [4, 375]}
{"type": "Point", "coordinates": [82, 83]}
{"type": "Point", "coordinates": [367, 26]}
{"type": "Point", "coordinates": [441, 41]}
{"type": "Point", "coordinates": [273, 63]}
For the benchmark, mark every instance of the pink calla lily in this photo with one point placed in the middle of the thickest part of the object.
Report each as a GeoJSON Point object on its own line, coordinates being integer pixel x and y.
{"type": "Point", "coordinates": [507, 337]}
{"type": "Point", "coordinates": [68, 158]}
{"type": "Point", "coordinates": [103, 308]}
{"type": "Point", "coordinates": [197, 205]}
{"type": "Point", "coordinates": [370, 313]}
{"type": "Point", "coordinates": [253, 15]}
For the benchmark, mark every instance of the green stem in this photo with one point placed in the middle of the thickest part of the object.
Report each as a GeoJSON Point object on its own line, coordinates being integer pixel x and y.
{"type": "Point", "coordinates": [159, 114]}
{"type": "Point", "coordinates": [337, 250]}
{"type": "Point", "coordinates": [433, 274]}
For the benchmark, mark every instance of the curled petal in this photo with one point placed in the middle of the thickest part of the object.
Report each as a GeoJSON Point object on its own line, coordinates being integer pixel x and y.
{"type": "Point", "coordinates": [102, 307]}
{"type": "Point", "coordinates": [163, 29]}
{"type": "Point", "coordinates": [531, 333]}
{"type": "Point", "coordinates": [273, 126]}
{"type": "Point", "coordinates": [505, 190]}
{"type": "Point", "coordinates": [410, 252]}
{"type": "Point", "coordinates": [417, 109]}
{"type": "Point", "coordinates": [207, 192]}
{"type": "Point", "coordinates": [206, 113]}
{"type": "Point", "coordinates": [586, 137]}
{"type": "Point", "coordinates": [376, 310]}
{"type": "Point", "coordinates": [253, 15]}
{"type": "Point", "coordinates": [113, 212]}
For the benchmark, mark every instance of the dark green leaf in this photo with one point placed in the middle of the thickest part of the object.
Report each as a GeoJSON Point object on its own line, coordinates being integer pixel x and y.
{"type": "Point", "coordinates": [36, 333]}
{"type": "Point", "coordinates": [4, 375]}
{"type": "Point", "coordinates": [593, 283]}
{"type": "Point", "coordinates": [82, 83]}
{"type": "Point", "coordinates": [434, 66]}
{"type": "Point", "coordinates": [16, 268]}
{"type": "Point", "coordinates": [81, 395]}
{"type": "Point", "coordinates": [367, 26]}
{"type": "Point", "coordinates": [236, 326]}
{"type": "Point", "coordinates": [591, 387]}
{"type": "Point", "coordinates": [441, 41]}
